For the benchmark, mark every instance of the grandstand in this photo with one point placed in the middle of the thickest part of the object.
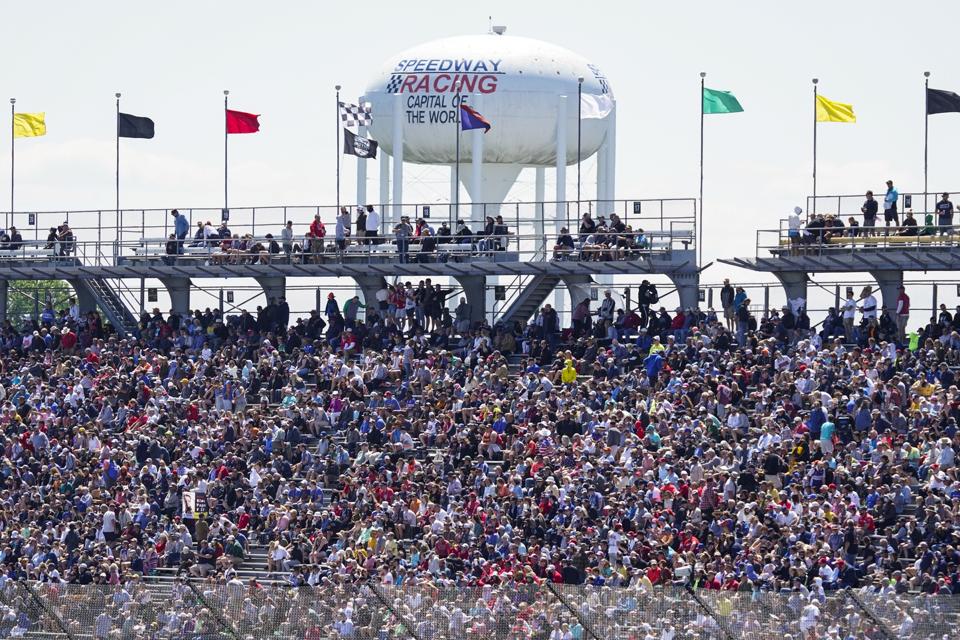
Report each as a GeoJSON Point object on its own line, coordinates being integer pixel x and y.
{"type": "Point", "coordinates": [412, 469]}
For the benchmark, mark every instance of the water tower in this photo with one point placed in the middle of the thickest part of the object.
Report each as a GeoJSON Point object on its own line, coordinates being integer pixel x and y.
{"type": "Point", "coordinates": [527, 90]}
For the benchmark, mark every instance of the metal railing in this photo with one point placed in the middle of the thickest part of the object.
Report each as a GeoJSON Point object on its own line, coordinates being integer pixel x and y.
{"type": "Point", "coordinates": [849, 204]}
{"type": "Point", "coordinates": [108, 225]}
{"type": "Point", "coordinates": [833, 240]}
{"type": "Point", "coordinates": [336, 608]}
{"type": "Point", "coordinates": [501, 247]}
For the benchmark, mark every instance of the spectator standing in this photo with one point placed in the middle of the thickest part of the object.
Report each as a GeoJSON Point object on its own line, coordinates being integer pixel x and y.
{"type": "Point", "coordinates": [607, 307]}
{"type": "Point", "coordinates": [361, 225]}
{"type": "Point", "coordinates": [647, 296]}
{"type": "Point", "coordinates": [402, 233]}
{"type": "Point", "coordinates": [743, 321]}
{"type": "Point", "coordinates": [286, 238]}
{"type": "Point", "coordinates": [945, 215]}
{"type": "Point", "coordinates": [869, 308]}
{"type": "Point", "coordinates": [793, 229]}
{"type": "Point", "coordinates": [869, 209]}
{"type": "Point", "coordinates": [890, 205]}
{"type": "Point", "coordinates": [727, 295]}
{"type": "Point", "coordinates": [342, 230]}
{"type": "Point", "coordinates": [903, 313]}
{"type": "Point", "coordinates": [372, 225]}
{"type": "Point", "coordinates": [181, 227]}
{"type": "Point", "coordinates": [849, 314]}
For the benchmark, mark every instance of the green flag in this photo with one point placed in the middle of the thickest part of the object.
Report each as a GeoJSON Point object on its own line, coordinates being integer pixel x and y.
{"type": "Point", "coordinates": [715, 101]}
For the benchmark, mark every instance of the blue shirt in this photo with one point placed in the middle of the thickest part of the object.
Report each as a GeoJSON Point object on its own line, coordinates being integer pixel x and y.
{"type": "Point", "coordinates": [181, 226]}
{"type": "Point", "coordinates": [890, 200]}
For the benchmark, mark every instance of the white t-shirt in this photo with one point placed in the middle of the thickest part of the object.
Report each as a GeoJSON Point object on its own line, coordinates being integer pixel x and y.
{"type": "Point", "coordinates": [849, 309]}
{"type": "Point", "coordinates": [109, 522]}
{"type": "Point", "coordinates": [869, 307]}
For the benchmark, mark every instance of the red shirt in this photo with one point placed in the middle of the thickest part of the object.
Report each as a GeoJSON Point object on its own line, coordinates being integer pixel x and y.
{"type": "Point", "coordinates": [903, 304]}
{"type": "Point", "coordinates": [68, 340]}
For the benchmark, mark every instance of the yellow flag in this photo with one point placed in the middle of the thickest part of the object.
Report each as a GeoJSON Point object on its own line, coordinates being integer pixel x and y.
{"type": "Point", "coordinates": [830, 111]}
{"type": "Point", "coordinates": [29, 125]}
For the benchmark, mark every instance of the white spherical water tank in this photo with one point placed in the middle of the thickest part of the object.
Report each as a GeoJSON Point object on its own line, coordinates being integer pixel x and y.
{"type": "Point", "coordinates": [513, 82]}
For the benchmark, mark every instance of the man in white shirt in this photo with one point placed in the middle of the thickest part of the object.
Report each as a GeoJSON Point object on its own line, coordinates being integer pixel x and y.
{"type": "Point", "coordinates": [869, 308]}
{"type": "Point", "coordinates": [849, 314]}
{"type": "Point", "coordinates": [372, 225]}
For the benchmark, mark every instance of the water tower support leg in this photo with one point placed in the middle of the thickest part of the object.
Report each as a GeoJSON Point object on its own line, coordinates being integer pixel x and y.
{"type": "Point", "coordinates": [397, 158]}
{"type": "Point", "coordinates": [475, 290]}
{"type": "Point", "coordinates": [539, 194]}
{"type": "Point", "coordinates": [889, 282]}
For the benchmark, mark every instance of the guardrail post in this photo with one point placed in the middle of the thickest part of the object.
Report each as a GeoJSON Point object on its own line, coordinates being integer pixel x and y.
{"type": "Point", "coordinates": [48, 610]}
{"type": "Point", "coordinates": [386, 602]}
{"type": "Point", "coordinates": [576, 614]}
{"type": "Point", "coordinates": [887, 633]}
{"type": "Point", "coordinates": [223, 622]}
{"type": "Point", "coordinates": [710, 612]}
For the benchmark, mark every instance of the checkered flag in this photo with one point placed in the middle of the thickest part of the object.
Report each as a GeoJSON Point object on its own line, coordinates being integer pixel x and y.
{"type": "Point", "coordinates": [355, 115]}
{"type": "Point", "coordinates": [396, 81]}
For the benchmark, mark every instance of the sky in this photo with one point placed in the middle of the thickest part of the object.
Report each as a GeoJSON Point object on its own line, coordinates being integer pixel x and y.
{"type": "Point", "coordinates": [172, 60]}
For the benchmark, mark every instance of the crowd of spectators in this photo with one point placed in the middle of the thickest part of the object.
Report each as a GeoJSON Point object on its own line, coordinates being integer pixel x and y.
{"type": "Point", "coordinates": [392, 442]}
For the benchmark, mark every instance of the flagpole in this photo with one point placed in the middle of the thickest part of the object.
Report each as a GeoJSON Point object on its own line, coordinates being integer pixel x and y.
{"type": "Point", "coordinates": [703, 75]}
{"type": "Point", "coordinates": [117, 184]}
{"type": "Point", "coordinates": [226, 136]}
{"type": "Point", "coordinates": [815, 81]}
{"type": "Point", "coordinates": [456, 176]}
{"type": "Point", "coordinates": [13, 102]}
{"type": "Point", "coordinates": [336, 121]}
{"type": "Point", "coordinates": [926, 130]}
{"type": "Point", "coordinates": [579, 121]}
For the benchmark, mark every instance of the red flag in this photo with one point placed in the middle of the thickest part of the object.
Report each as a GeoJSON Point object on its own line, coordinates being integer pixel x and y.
{"type": "Point", "coordinates": [240, 122]}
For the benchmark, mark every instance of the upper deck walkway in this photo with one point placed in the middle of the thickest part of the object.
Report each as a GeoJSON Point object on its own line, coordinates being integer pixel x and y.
{"type": "Point", "coordinates": [134, 243]}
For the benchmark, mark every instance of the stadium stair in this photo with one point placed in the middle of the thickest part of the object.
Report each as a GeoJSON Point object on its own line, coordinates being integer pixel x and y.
{"type": "Point", "coordinates": [529, 299]}
{"type": "Point", "coordinates": [107, 299]}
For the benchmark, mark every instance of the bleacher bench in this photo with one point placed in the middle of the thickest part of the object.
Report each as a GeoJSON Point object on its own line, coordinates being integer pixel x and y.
{"type": "Point", "coordinates": [873, 241]}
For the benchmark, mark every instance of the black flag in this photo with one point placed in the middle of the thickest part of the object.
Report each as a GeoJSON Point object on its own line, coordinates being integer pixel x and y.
{"type": "Point", "coordinates": [129, 126]}
{"type": "Point", "coordinates": [939, 101]}
{"type": "Point", "coordinates": [354, 145]}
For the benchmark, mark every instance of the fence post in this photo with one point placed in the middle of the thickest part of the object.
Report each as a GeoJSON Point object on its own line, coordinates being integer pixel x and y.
{"type": "Point", "coordinates": [216, 614]}
{"type": "Point", "coordinates": [710, 612]}
{"type": "Point", "coordinates": [386, 602]}
{"type": "Point", "coordinates": [49, 611]}
{"type": "Point", "coordinates": [576, 614]}
{"type": "Point", "coordinates": [887, 633]}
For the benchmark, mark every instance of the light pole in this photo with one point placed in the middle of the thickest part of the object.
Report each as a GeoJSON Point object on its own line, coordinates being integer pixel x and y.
{"type": "Point", "coordinates": [337, 123]}
{"type": "Point", "coordinates": [579, 120]}
{"type": "Point", "coordinates": [815, 81]}
{"type": "Point", "coordinates": [13, 102]}
{"type": "Point", "coordinates": [926, 127]}
{"type": "Point", "coordinates": [456, 174]}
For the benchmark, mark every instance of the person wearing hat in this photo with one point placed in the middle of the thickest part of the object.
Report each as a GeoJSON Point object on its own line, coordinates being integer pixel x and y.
{"type": "Point", "coordinates": [564, 246]}
{"type": "Point", "coordinates": [890, 205]}
{"type": "Point", "coordinates": [793, 230]}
